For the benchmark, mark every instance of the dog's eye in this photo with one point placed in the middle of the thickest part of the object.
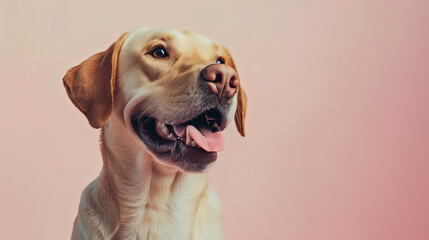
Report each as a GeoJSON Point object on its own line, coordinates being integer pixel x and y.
{"type": "Point", "coordinates": [159, 52]}
{"type": "Point", "coordinates": [220, 60]}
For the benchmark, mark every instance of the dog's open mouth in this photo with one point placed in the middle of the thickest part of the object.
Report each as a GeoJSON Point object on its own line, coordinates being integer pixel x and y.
{"type": "Point", "coordinates": [201, 132]}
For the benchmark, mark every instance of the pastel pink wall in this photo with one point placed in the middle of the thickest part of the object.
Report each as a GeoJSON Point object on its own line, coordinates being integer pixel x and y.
{"type": "Point", "coordinates": [338, 117]}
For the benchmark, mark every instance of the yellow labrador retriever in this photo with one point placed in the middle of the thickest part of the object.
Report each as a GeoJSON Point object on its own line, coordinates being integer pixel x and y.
{"type": "Point", "coordinates": [162, 98]}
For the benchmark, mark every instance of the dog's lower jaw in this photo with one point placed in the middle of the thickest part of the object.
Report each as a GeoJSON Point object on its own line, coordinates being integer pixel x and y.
{"type": "Point", "coordinates": [136, 198]}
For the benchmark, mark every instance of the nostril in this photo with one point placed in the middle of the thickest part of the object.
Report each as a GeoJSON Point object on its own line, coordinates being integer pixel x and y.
{"type": "Point", "coordinates": [218, 78]}
{"type": "Point", "coordinates": [233, 82]}
{"type": "Point", "coordinates": [208, 75]}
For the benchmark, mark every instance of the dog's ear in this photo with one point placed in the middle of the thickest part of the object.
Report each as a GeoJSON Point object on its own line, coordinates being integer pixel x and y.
{"type": "Point", "coordinates": [91, 84]}
{"type": "Point", "coordinates": [240, 113]}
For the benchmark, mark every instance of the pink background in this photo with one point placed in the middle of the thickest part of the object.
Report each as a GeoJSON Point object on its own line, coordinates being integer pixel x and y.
{"type": "Point", "coordinates": [338, 117]}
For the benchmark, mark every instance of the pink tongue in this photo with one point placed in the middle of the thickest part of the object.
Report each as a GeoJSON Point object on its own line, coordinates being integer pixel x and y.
{"type": "Point", "coordinates": [206, 139]}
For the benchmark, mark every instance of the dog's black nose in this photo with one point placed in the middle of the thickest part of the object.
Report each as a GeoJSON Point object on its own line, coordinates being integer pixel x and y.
{"type": "Point", "coordinates": [221, 79]}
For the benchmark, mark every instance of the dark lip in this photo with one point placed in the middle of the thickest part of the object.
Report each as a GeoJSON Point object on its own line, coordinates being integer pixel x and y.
{"type": "Point", "coordinates": [163, 146]}
{"type": "Point", "coordinates": [160, 147]}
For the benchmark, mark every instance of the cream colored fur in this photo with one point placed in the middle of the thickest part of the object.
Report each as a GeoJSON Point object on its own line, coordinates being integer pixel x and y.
{"type": "Point", "coordinates": [137, 195]}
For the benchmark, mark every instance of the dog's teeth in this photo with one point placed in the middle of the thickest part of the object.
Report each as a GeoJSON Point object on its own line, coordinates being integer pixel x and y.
{"type": "Point", "coordinates": [162, 129]}
{"type": "Point", "coordinates": [171, 137]}
{"type": "Point", "coordinates": [189, 140]}
{"type": "Point", "coordinates": [188, 137]}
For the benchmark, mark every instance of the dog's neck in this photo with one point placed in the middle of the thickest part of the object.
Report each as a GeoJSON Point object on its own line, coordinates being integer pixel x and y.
{"type": "Point", "coordinates": [147, 194]}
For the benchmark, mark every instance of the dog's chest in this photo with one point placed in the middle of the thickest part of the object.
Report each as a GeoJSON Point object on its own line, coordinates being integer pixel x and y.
{"type": "Point", "coordinates": [170, 214]}
{"type": "Point", "coordinates": [174, 221]}
{"type": "Point", "coordinates": [184, 218]}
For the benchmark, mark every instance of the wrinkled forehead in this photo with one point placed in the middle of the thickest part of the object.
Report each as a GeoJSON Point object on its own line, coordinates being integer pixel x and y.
{"type": "Point", "coordinates": [182, 41]}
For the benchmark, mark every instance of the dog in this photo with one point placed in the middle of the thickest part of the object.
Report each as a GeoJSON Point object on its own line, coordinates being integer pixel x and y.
{"type": "Point", "coordinates": [162, 98]}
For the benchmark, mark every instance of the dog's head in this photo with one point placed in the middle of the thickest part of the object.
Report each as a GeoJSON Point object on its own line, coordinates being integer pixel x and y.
{"type": "Point", "coordinates": [175, 92]}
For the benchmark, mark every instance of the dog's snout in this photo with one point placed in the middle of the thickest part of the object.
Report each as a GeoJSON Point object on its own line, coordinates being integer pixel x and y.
{"type": "Point", "coordinates": [221, 79]}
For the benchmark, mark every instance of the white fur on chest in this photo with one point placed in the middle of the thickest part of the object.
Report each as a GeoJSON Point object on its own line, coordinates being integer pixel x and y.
{"type": "Point", "coordinates": [187, 216]}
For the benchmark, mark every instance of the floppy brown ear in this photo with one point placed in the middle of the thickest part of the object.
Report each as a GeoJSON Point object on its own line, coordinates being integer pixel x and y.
{"type": "Point", "coordinates": [240, 113]}
{"type": "Point", "coordinates": [91, 84]}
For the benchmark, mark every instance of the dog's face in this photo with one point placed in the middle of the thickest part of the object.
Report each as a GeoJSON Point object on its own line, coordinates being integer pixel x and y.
{"type": "Point", "coordinates": [174, 91]}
